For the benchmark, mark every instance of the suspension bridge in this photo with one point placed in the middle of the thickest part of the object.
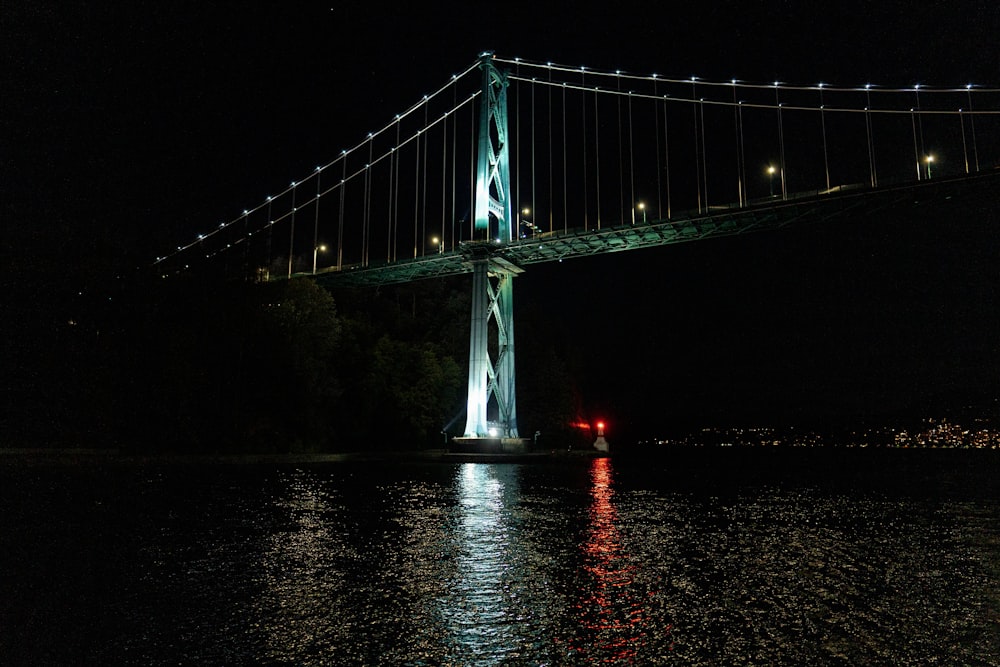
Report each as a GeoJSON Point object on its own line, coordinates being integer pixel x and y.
{"type": "Point", "coordinates": [512, 163]}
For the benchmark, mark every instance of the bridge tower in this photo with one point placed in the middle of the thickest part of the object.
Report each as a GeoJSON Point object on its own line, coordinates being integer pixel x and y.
{"type": "Point", "coordinates": [492, 411]}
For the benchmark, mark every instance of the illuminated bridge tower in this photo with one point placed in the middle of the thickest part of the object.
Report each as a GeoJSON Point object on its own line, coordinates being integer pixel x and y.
{"type": "Point", "coordinates": [492, 412]}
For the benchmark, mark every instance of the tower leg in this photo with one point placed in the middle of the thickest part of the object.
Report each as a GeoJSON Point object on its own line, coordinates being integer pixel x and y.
{"type": "Point", "coordinates": [479, 360]}
{"type": "Point", "coordinates": [505, 386]}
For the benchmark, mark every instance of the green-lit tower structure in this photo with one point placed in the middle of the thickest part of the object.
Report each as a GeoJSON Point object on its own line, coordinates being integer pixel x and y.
{"type": "Point", "coordinates": [492, 411]}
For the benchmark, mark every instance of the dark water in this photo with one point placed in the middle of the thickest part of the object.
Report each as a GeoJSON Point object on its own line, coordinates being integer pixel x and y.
{"type": "Point", "coordinates": [715, 559]}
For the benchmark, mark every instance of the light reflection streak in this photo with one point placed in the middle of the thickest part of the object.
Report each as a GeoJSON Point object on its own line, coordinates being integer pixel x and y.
{"type": "Point", "coordinates": [609, 607]}
{"type": "Point", "coordinates": [477, 609]}
{"type": "Point", "coordinates": [297, 574]}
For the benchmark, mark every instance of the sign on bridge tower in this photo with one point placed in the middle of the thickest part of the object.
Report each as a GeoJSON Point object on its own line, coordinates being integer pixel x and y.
{"type": "Point", "coordinates": [492, 411]}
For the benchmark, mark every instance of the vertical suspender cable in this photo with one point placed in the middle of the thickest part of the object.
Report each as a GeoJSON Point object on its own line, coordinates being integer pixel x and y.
{"type": "Point", "coordinates": [366, 236]}
{"type": "Point", "coordinates": [781, 141]}
{"type": "Point", "coordinates": [822, 120]}
{"type": "Point", "coordinates": [656, 149]}
{"type": "Point", "coordinates": [340, 224]}
{"type": "Point", "coordinates": [246, 239]}
{"type": "Point", "coordinates": [454, 155]}
{"type": "Point", "coordinates": [270, 227]}
{"type": "Point", "coordinates": [395, 201]}
{"type": "Point", "coordinates": [565, 165]}
{"type": "Point", "coordinates": [704, 154]}
{"type": "Point", "coordinates": [920, 120]}
{"type": "Point", "coordinates": [551, 205]}
{"type": "Point", "coordinates": [871, 138]}
{"type": "Point", "coordinates": [965, 149]}
{"type": "Point", "coordinates": [472, 170]}
{"type": "Point", "coordinates": [444, 181]}
{"type": "Point", "coordinates": [583, 105]}
{"type": "Point", "coordinates": [972, 126]}
{"type": "Point", "coordinates": [319, 173]}
{"type": "Point", "coordinates": [416, 195]}
{"type": "Point", "coordinates": [390, 241]}
{"type": "Point", "coordinates": [517, 149]}
{"type": "Point", "coordinates": [666, 154]}
{"type": "Point", "coordinates": [743, 159]}
{"type": "Point", "coordinates": [739, 146]}
{"type": "Point", "coordinates": [597, 158]}
{"type": "Point", "coordinates": [423, 187]}
{"type": "Point", "coordinates": [697, 142]}
{"type": "Point", "coordinates": [621, 159]}
{"type": "Point", "coordinates": [533, 209]}
{"type": "Point", "coordinates": [916, 155]}
{"type": "Point", "coordinates": [291, 235]}
{"type": "Point", "coordinates": [631, 160]}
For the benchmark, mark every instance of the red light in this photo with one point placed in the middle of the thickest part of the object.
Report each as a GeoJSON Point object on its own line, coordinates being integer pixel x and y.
{"type": "Point", "coordinates": [600, 425]}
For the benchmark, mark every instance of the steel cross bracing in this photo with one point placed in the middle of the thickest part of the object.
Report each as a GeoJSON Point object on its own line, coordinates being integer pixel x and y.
{"type": "Point", "coordinates": [493, 169]}
{"type": "Point", "coordinates": [492, 376]}
{"type": "Point", "coordinates": [680, 228]}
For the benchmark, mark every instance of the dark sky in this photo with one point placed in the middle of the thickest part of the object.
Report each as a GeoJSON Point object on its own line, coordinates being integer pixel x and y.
{"type": "Point", "coordinates": [150, 116]}
{"type": "Point", "coordinates": [128, 127]}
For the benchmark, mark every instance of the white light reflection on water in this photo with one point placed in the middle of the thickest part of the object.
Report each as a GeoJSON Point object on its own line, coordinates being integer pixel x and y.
{"type": "Point", "coordinates": [299, 577]}
{"type": "Point", "coordinates": [476, 610]}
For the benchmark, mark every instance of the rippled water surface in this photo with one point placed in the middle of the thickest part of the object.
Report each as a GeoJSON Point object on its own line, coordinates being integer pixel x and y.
{"type": "Point", "coordinates": [603, 561]}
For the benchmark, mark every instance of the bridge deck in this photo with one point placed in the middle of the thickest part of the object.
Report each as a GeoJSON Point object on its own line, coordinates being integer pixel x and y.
{"type": "Point", "coordinates": [719, 221]}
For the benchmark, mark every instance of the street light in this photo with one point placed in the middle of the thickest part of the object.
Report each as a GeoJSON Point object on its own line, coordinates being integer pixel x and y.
{"type": "Point", "coordinates": [770, 174]}
{"type": "Point", "coordinates": [523, 222]}
{"type": "Point", "coordinates": [642, 207]}
{"type": "Point", "coordinates": [316, 252]}
{"type": "Point", "coordinates": [928, 159]}
{"type": "Point", "coordinates": [438, 243]}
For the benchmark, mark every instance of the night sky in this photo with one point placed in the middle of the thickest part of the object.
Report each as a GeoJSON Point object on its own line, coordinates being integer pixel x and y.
{"type": "Point", "coordinates": [130, 127]}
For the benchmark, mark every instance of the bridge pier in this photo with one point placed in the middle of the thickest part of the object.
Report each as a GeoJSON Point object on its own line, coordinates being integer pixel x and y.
{"type": "Point", "coordinates": [491, 376]}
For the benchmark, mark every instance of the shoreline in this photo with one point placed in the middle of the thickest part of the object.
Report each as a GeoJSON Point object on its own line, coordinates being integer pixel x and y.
{"type": "Point", "coordinates": [73, 456]}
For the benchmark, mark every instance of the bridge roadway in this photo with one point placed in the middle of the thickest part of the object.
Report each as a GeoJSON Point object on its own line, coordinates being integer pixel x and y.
{"type": "Point", "coordinates": [981, 188]}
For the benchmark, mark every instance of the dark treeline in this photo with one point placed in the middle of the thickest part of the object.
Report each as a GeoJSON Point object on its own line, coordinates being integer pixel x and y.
{"type": "Point", "coordinates": [200, 366]}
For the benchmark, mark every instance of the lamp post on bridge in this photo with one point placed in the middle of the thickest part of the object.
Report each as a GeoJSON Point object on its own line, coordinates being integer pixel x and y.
{"type": "Point", "coordinates": [316, 251]}
{"type": "Point", "coordinates": [438, 244]}
{"type": "Point", "coordinates": [642, 207]}
{"type": "Point", "coordinates": [928, 159]}
{"type": "Point", "coordinates": [524, 222]}
{"type": "Point", "coordinates": [770, 174]}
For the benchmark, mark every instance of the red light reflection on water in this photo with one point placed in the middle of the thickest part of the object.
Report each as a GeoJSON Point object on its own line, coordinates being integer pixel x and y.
{"type": "Point", "coordinates": [610, 608]}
